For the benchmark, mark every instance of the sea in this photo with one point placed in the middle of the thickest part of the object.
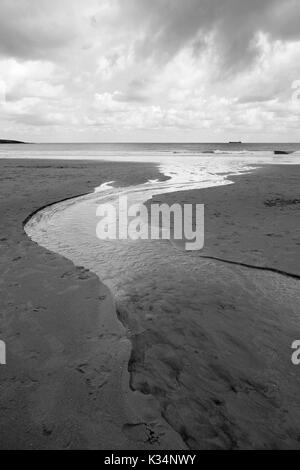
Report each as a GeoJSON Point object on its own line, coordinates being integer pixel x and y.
{"type": "Point", "coordinates": [144, 270]}
{"type": "Point", "coordinates": [166, 297]}
{"type": "Point", "coordinates": [138, 150]}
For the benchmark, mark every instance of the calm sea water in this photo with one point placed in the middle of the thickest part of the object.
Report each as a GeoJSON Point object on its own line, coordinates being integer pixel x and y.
{"type": "Point", "coordinates": [125, 266]}
{"type": "Point", "coordinates": [170, 298]}
{"type": "Point", "coordinates": [136, 151]}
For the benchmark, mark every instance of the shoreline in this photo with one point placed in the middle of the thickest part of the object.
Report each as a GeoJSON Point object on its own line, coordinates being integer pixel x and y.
{"type": "Point", "coordinates": [251, 221]}
{"type": "Point", "coordinates": [135, 346]}
{"type": "Point", "coordinates": [252, 266]}
{"type": "Point", "coordinates": [243, 327]}
{"type": "Point", "coordinates": [69, 392]}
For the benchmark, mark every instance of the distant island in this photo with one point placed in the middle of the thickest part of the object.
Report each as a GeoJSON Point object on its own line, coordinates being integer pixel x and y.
{"type": "Point", "coordinates": [3, 141]}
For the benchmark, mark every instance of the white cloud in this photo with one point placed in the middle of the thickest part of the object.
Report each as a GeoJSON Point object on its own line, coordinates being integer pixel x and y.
{"type": "Point", "coordinates": [149, 70]}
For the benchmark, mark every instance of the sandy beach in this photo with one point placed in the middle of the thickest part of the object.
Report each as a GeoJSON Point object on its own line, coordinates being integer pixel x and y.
{"type": "Point", "coordinates": [64, 341]}
{"type": "Point", "coordinates": [221, 369]}
{"type": "Point", "coordinates": [214, 375]}
{"type": "Point", "coordinates": [252, 221]}
{"type": "Point", "coordinates": [149, 227]}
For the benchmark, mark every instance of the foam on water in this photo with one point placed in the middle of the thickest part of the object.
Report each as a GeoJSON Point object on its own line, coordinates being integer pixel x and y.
{"type": "Point", "coordinates": [169, 298]}
{"type": "Point", "coordinates": [69, 228]}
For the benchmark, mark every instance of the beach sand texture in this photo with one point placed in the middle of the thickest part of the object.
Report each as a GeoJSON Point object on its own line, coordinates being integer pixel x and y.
{"type": "Point", "coordinates": [221, 367]}
{"type": "Point", "coordinates": [64, 341]}
{"type": "Point", "coordinates": [219, 373]}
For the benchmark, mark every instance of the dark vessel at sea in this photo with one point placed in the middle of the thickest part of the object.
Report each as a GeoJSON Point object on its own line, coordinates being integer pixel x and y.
{"type": "Point", "coordinates": [283, 152]}
{"type": "Point", "coordinates": [5, 141]}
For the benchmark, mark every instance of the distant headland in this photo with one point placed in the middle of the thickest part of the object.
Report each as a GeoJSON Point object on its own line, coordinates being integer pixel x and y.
{"type": "Point", "coordinates": [3, 141]}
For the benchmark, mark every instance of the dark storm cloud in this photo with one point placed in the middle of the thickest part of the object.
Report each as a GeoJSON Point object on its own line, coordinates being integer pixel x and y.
{"type": "Point", "coordinates": [135, 92]}
{"type": "Point", "coordinates": [259, 98]}
{"type": "Point", "coordinates": [129, 97]}
{"type": "Point", "coordinates": [32, 119]}
{"type": "Point", "coordinates": [159, 28]}
{"type": "Point", "coordinates": [32, 29]}
{"type": "Point", "coordinates": [170, 25]}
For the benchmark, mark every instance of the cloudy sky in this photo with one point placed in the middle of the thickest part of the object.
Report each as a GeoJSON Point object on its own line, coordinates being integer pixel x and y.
{"type": "Point", "coordinates": [150, 70]}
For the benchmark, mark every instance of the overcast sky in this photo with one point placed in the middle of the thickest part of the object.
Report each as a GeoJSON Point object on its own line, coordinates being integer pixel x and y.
{"type": "Point", "coordinates": [150, 70]}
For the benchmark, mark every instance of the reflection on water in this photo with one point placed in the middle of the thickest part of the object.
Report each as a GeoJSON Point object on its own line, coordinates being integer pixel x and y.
{"type": "Point", "coordinates": [201, 345]}
{"type": "Point", "coordinates": [69, 228]}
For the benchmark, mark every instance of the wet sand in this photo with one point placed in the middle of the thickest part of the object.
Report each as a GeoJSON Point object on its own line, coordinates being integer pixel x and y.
{"type": "Point", "coordinates": [64, 341]}
{"type": "Point", "coordinates": [253, 221]}
{"type": "Point", "coordinates": [218, 372]}
{"type": "Point", "coordinates": [221, 368]}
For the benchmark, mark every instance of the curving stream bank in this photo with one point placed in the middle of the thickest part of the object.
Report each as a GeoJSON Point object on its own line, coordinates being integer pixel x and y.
{"type": "Point", "coordinates": [51, 316]}
{"type": "Point", "coordinates": [206, 336]}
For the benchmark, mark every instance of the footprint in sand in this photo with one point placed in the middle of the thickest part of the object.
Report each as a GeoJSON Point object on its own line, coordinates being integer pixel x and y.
{"type": "Point", "coordinates": [141, 432]}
